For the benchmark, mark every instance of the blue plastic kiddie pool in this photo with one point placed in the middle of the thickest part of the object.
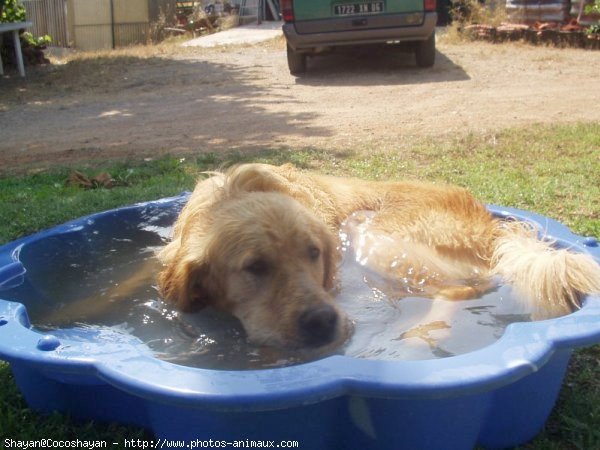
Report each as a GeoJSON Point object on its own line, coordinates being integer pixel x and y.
{"type": "Point", "coordinates": [496, 397]}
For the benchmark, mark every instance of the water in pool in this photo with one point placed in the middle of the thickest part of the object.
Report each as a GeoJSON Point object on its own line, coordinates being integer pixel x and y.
{"type": "Point", "coordinates": [76, 282]}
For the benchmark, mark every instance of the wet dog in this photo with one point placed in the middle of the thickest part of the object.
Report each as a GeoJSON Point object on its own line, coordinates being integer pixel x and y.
{"type": "Point", "coordinates": [261, 242]}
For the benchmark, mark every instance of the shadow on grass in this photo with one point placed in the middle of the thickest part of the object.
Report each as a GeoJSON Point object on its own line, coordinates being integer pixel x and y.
{"type": "Point", "coordinates": [373, 66]}
{"type": "Point", "coordinates": [131, 105]}
{"type": "Point", "coordinates": [123, 105]}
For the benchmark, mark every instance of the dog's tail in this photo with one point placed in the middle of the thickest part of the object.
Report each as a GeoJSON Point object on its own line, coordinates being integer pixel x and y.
{"type": "Point", "coordinates": [549, 281]}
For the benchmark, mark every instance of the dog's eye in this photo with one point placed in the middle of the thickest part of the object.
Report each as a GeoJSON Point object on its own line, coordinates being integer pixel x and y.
{"type": "Point", "coordinates": [257, 267]}
{"type": "Point", "coordinates": [314, 252]}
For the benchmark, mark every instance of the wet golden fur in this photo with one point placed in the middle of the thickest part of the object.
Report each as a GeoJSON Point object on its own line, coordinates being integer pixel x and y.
{"type": "Point", "coordinates": [261, 242]}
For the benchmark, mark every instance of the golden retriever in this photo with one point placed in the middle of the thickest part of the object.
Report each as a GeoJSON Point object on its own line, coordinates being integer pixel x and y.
{"type": "Point", "coordinates": [262, 243]}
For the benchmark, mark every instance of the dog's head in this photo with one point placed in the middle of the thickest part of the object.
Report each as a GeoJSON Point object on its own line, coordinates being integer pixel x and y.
{"type": "Point", "coordinates": [264, 258]}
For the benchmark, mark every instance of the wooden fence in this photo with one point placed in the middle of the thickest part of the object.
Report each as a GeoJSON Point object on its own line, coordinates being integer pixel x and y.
{"type": "Point", "coordinates": [49, 17]}
{"type": "Point", "coordinates": [96, 24]}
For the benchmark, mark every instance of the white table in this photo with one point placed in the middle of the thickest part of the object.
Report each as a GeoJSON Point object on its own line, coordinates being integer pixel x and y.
{"type": "Point", "coordinates": [15, 27]}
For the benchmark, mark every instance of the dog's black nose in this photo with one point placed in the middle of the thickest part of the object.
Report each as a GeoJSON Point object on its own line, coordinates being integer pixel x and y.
{"type": "Point", "coordinates": [318, 325]}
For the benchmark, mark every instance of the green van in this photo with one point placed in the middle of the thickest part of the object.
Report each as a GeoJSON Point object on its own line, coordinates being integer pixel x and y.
{"type": "Point", "coordinates": [316, 26]}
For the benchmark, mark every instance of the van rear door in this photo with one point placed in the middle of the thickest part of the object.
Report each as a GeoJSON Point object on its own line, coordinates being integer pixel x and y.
{"type": "Point", "coordinates": [354, 14]}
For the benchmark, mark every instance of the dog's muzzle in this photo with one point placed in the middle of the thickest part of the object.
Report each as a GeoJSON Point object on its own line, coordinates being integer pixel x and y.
{"type": "Point", "coordinates": [318, 325]}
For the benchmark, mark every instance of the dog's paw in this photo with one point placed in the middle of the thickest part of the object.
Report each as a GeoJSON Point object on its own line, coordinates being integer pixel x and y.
{"type": "Point", "coordinates": [457, 293]}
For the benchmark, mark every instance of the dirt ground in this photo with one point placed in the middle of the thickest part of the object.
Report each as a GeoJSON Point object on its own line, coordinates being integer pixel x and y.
{"type": "Point", "coordinates": [152, 101]}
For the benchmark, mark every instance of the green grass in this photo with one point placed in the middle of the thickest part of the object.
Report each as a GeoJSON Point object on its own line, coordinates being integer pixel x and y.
{"type": "Point", "coordinates": [30, 203]}
{"type": "Point", "coordinates": [551, 170]}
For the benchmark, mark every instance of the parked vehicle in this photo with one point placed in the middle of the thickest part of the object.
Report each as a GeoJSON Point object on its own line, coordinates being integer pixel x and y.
{"type": "Point", "coordinates": [317, 26]}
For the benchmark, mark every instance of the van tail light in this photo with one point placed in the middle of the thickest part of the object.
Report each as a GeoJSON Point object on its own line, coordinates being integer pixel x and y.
{"type": "Point", "coordinates": [430, 5]}
{"type": "Point", "coordinates": [287, 10]}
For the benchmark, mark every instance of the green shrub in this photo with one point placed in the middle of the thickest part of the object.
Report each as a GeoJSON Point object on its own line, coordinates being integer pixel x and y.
{"type": "Point", "coordinates": [39, 42]}
{"type": "Point", "coordinates": [12, 11]}
{"type": "Point", "coordinates": [593, 9]}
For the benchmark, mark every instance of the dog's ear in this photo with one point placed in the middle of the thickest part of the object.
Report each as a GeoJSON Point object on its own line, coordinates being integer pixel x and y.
{"type": "Point", "coordinates": [253, 178]}
{"type": "Point", "coordinates": [331, 257]}
{"type": "Point", "coordinates": [184, 279]}
{"type": "Point", "coordinates": [186, 284]}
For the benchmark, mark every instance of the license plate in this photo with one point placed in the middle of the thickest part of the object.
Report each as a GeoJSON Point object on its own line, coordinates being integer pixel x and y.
{"type": "Point", "coordinates": [350, 9]}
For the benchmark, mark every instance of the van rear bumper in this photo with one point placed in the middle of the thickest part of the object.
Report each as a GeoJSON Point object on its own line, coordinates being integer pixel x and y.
{"type": "Point", "coordinates": [363, 33]}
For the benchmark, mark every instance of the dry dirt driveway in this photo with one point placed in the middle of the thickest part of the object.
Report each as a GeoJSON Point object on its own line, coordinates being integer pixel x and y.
{"type": "Point", "coordinates": [158, 100]}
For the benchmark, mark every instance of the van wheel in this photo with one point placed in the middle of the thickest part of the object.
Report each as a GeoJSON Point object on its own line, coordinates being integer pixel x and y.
{"type": "Point", "coordinates": [425, 52]}
{"type": "Point", "coordinates": [296, 61]}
